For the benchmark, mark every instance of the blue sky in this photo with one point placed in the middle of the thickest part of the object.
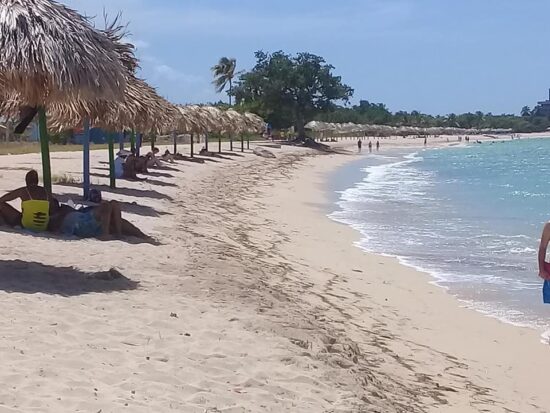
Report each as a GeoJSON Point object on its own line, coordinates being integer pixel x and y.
{"type": "Point", "coordinates": [436, 56]}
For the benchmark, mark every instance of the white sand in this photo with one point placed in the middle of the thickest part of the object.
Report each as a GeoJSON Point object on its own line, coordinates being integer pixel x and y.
{"type": "Point", "coordinates": [254, 302]}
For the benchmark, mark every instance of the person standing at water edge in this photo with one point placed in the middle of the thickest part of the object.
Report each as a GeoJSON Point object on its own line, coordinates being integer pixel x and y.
{"type": "Point", "coordinates": [359, 145]}
{"type": "Point", "coordinates": [377, 145]}
{"type": "Point", "coordinates": [544, 267]}
{"type": "Point", "coordinates": [370, 146]}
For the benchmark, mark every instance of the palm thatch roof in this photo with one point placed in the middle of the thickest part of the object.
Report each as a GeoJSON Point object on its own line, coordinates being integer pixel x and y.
{"type": "Point", "coordinates": [341, 129]}
{"type": "Point", "coordinates": [187, 121]}
{"type": "Point", "coordinates": [140, 107]}
{"type": "Point", "coordinates": [51, 53]}
{"type": "Point", "coordinates": [254, 123]}
{"type": "Point", "coordinates": [236, 122]}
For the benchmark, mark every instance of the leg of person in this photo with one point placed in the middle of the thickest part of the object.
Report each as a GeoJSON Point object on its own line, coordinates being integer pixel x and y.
{"type": "Point", "coordinates": [103, 215]}
{"type": "Point", "coordinates": [116, 219]}
{"type": "Point", "coordinates": [9, 215]}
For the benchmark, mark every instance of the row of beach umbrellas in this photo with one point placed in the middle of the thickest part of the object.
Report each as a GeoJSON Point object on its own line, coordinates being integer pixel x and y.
{"type": "Point", "coordinates": [56, 65]}
{"type": "Point", "coordinates": [328, 129]}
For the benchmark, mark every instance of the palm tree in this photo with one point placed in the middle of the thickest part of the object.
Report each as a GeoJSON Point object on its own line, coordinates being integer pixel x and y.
{"type": "Point", "coordinates": [526, 111]}
{"type": "Point", "coordinates": [224, 72]}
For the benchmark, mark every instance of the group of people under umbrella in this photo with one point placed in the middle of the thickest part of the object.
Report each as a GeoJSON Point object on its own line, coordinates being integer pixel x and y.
{"type": "Point", "coordinates": [57, 67]}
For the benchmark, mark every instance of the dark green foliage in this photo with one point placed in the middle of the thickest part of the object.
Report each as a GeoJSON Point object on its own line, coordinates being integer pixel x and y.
{"type": "Point", "coordinates": [290, 90]}
{"type": "Point", "coordinates": [377, 113]}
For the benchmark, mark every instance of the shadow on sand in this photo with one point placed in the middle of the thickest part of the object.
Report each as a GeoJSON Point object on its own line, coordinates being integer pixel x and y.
{"type": "Point", "coordinates": [151, 173]}
{"type": "Point", "coordinates": [149, 180]}
{"type": "Point", "coordinates": [32, 278]}
{"type": "Point", "coordinates": [138, 193]}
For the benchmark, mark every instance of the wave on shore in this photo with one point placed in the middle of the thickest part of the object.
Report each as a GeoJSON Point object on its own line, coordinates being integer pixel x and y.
{"type": "Point", "coordinates": [468, 216]}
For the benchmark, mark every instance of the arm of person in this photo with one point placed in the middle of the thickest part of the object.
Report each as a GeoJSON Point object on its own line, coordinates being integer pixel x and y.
{"type": "Point", "coordinates": [12, 196]}
{"type": "Point", "coordinates": [544, 240]}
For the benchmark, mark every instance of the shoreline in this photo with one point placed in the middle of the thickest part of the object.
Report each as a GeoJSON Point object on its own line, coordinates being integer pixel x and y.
{"type": "Point", "coordinates": [489, 354]}
{"type": "Point", "coordinates": [255, 300]}
{"type": "Point", "coordinates": [438, 277]}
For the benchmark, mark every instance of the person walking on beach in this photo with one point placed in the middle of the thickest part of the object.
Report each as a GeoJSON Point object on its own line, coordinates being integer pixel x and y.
{"type": "Point", "coordinates": [370, 146]}
{"type": "Point", "coordinates": [359, 145]}
{"type": "Point", "coordinates": [425, 140]}
{"type": "Point", "coordinates": [377, 145]}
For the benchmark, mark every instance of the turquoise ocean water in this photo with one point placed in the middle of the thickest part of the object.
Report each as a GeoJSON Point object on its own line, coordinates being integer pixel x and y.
{"type": "Point", "coordinates": [470, 216]}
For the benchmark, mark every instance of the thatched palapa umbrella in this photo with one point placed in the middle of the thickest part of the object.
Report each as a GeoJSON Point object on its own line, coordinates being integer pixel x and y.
{"type": "Point", "coordinates": [51, 53]}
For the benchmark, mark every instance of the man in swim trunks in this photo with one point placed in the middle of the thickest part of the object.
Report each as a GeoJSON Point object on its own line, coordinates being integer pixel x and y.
{"type": "Point", "coordinates": [544, 267]}
{"type": "Point", "coordinates": [35, 206]}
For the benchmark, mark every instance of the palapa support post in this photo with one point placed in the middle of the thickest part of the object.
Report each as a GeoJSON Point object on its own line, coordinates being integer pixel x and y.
{"type": "Point", "coordinates": [175, 138]}
{"type": "Point", "coordinates": [206, 141]}
{"type": "Point", "coordinates": [121, 141]}
{"type": "Point", "coordinates": [86, 159]}
{"type": "Point", "coordinates": [112, 176]}
{"type": "Point", "coordinates": [45, 149]}
{"type": "Point", "coordinates": [248, 142]}
{"type": "Point", "coordinates": [153, 139]}
{"type": "Point", "coordinates": [220, 144]}
{"type": "Point", "coordinates": [231, 143]}
{"type": "Point", "coordinates": [192, 145]}
{"type": "Point", "coordinates": [139, 136]}
{"type": "Point", "coordinates": [242, 143]}
{"type": "Point", "coordinates": [133, 141]}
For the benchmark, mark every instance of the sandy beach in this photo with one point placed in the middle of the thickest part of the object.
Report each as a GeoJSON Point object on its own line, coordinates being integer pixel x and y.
{"type": "Point", "coordinates": [253, 301]}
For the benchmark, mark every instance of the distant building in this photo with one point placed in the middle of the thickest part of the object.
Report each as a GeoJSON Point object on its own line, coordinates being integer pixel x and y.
{"type": "Point", "coordinates": [543, 108]}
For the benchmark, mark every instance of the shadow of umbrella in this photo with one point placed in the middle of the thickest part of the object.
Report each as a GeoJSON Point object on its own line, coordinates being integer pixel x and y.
{"type": "Point", "coordinates": [32, 278]}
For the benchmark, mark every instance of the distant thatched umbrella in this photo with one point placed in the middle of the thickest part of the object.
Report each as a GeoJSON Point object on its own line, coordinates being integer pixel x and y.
{"type": "Point", "coordinates": [255, 123]}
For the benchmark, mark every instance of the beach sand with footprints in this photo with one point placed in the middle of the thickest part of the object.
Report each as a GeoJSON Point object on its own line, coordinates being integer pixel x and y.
{"type": "Point", "coordinates": [252, 301]}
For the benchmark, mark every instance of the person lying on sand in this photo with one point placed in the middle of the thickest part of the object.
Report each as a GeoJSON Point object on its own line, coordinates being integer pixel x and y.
{"type": "Point", "coordinates": [102, 221]}
{"type": "Point", "coordinates": [168, 157]}
{"type": "Point", "coordinates": [35, 206]}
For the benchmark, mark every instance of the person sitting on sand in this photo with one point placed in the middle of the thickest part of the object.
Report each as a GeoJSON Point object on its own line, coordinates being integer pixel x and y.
{"type": "Point", "coordinates": [168, 157]}
{"type": "Point", "coordinates": [35, 206]}
{"type": "Point", "coordinates": [101, 221]}
{"type": "Point", "coordinates": [152, 160]}
{"type": "Point", "coordinates": [134, 165]}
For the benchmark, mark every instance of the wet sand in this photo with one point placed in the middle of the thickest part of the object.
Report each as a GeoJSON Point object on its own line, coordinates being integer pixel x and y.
{"type": "Point", "coordinates": [254, 301]}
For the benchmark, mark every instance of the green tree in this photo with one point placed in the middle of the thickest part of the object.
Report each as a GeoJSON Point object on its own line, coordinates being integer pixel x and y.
{"type": "Point", "coordinates": [224, 73]}
{"type": "Point", "coordinates": [291, 90]}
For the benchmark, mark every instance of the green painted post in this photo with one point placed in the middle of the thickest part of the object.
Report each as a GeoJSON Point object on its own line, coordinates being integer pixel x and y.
{"type": "Point", "coordinates": [112, 177]}
{"type": "Point", "coordinates": [45, 149]}
{"type": "Point", "coordinates": [133, 140]}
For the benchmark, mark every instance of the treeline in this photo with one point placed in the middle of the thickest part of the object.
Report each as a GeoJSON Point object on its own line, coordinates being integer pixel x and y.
{"type": "Point", "coordinates": [378, 113]}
